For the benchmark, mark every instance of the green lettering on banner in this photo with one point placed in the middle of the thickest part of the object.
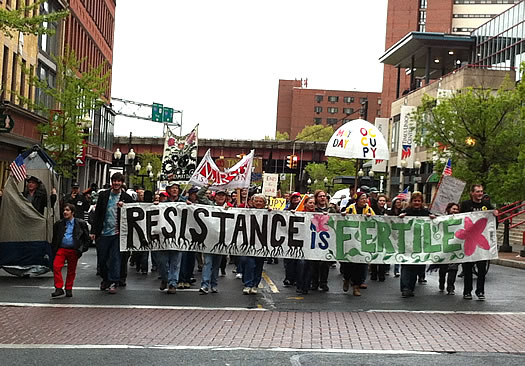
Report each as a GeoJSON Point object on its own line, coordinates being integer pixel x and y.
{"type": "Point", "coordinates": [427, 240]}
{"type": "Point", "coordinates": [416, 245]}
{"type": "Point", "coordinates": [383, 237]}
{"type": "Point", "coordinates": [401, 227]}
{"type": "Point", "coordinates": [341, 237]}
{"type": "Point", "coordinates": [447, 236]}
{"type": "Point", "coordinates": [365, 236]}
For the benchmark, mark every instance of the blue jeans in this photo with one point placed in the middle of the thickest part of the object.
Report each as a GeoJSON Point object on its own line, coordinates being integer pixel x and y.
{"type": "Point", "coordinates": [109, 258]}
{"type": "Point", "coordinates": [252, 271]}
{"type": "Point", "coordinates": [409, 274]}
{"type": "Point", "coordinates": [210, 270]}
{"type": "Point", "coordinates": [187, 266]}
{"type": "Point", "coordinates": [169, 266]}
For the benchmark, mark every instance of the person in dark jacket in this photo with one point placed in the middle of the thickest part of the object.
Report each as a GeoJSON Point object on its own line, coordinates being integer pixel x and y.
{"type": "Point", "coordinates": [290, 265]}
{"type": "Point", "coordinates": [105, 231]}
{"type": "Point", "coordinates": [78, 199]}
{"type": "Point", "coordinates": [36, 194]}
{"type": "Point", "coordinates": [395, 210]}
{"type": "Point", "coordinates": [410, 272]}
{"type": "Point", "coordinates": [70, 240]}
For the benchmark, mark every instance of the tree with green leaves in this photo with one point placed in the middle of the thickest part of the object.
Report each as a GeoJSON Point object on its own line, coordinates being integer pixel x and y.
{"type": "Point", "coordinates": [315, 133]}
{"type": "Point", "coordinates": [27, 20]}
{"type": "Point", "coordinates": [481, 130]}
{"type": "Point", "coordinates": [74, 97]}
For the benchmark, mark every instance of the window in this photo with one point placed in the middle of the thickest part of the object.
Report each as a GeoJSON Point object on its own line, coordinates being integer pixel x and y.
{"type": "Point", "coordinates": [379, 101]}
{"type": "Point", "coordinates": [331, 121]}
{"type": "Point", "coordinates": [348, 110]}
{"type": "Point", "coordinates": [48, 43]}
{"type": "Point", "coordinates": [5, 63]}
{"type": "Point", "coordinates": [348, 100]}
{"type": "Point", "coordinates": [333, 110]}
{"type": "Point", "coordinates": [395, 133]}
{"type": "Point", "coordinates": [318, 109]}
{"type": "Point", "coordinates": [422, 4]}
{"type": "Point", "coordinates": [318, 98]}
{"type": "Point", "coordinates": [363, 99]}
{"type": "Point", "coordinates": [23, 79]}
{"type": "Point", "coordinates": [13, 77]}
{"type": "Point", "coordinates": [45, 73]}
{"type": "Point", "coordinates": [333, 99]}
{"type": "Point", "coordinates": [318, 121]}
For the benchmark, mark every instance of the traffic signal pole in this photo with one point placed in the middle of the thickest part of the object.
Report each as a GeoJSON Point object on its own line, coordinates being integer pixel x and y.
{"type": "Point", "coordinates": [291, 174]}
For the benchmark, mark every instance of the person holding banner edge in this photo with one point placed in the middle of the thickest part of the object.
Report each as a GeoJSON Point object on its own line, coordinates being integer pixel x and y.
{"type": "Point", "coordinates": [476, 203]}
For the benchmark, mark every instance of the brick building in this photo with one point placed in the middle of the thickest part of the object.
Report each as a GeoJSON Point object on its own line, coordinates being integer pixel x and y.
{"type": "Point", "coordinates": [88, 30]}
{"type": "Point", "coordinates": [458, 17]}
{"type": "Point", "coordinates": [298, 107]}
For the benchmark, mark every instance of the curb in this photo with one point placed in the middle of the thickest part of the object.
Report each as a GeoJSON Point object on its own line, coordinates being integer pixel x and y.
{"type": "Point", "coordinates": [508, 263]}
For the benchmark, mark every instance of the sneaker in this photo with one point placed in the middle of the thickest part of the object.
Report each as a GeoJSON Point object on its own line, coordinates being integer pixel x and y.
{"type": "Point", "coordinates": [441, 288]}
{"type": "Point", "coordinates": [451, 292]}
{"type": "Point", "coordinates": [104, 286]}
{"type": "Point", "coordinates": [481, 296]}
{"type": "Point", "coordinates": [69, 293]}
{"type": "Point", "coordinates": [223, 273]}
{"type": "Point", "coordinates": [180, 285]}
{"type": "Point", "coordinates": [467, 296]}
{"type": "Point", "coordinates": [214, 290]}
{"type": "Point", "coordinates": [246, 291]}
{"type": "Point", "coordinates": [422, 282]}
{"type": "Point", "coordinates": [163, 285]}
{"type": "Point", "coordinates": [405, 294]}
{"type": "Point", "coordinates": [363, 286]}
{"type": "Point", "coordinates": [203, 291]}
{"type": "Point", "coordinates": [58, 292]}
{"type": "Point", "coordinates": [357, 291]}
{"type": "Point", "coordinates": [145, 272]}
{"type": "Point", "coordinates": [172, 290]}
{"type": "Point", "coordinates": [396, 274]}
{"type": "Point", "coordinates": [193, 280]}
{"type": "Point", "coordinates": [238, 276]}
{"type": "Point", "coordinates": [253, 291]}
{"type": "Point", "coordinates": [346, 285]}
{"type": "Point", "coordinates": [287, 283]}
{"type": "Point", "coordinates": [112, 289]}
{"type": "Point", "coordinates": [324, 288]}
{"type": "Point", "coordinates": [187, 285]}
{"type": "Point", "coordinates": [122, 283]}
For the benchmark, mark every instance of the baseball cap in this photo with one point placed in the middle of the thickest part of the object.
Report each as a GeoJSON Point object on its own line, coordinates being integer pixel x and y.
{"type": "Point", "coordinates": [193, 190]}
{"type": "Point", "coordinates": [295, 194]}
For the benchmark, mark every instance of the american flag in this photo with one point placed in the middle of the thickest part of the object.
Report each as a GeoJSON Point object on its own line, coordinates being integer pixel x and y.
{"type": "Point", "coordinates": [18, 168]}
{"type": "Point", "coordinates": [403, 195]}
{"type": "Point", "coordinates": [448, 168]}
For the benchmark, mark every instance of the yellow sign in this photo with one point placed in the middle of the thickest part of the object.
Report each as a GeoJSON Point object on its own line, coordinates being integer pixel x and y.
{"type": "Point", "coordinates": [278, 204]}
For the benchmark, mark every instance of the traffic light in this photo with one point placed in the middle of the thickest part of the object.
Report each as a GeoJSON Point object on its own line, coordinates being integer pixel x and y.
{"type": "Point", "coordinates": [157, 111]}
{"type": "Point", "coordinates": [291, 161]}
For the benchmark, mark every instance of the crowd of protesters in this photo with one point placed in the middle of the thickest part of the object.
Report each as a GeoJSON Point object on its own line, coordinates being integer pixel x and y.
{"type": "Point", "coordinates": [175, 269]}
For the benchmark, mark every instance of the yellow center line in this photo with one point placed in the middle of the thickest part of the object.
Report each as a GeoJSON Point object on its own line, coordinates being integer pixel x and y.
{"type": "Point", "coordinates": [270, 283]}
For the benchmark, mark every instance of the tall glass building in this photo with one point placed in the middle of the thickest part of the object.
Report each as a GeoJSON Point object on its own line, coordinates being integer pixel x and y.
{"type": "Point", "coordinates": [500, 43]}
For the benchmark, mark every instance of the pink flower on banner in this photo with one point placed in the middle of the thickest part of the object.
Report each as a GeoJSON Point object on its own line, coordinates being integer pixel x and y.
{"type": "Point", "coordinates": [171, 141]}
{"type": "Point", "coordinates": [320, 222]}
{"type": "Point", "coordinates": [473, 235]}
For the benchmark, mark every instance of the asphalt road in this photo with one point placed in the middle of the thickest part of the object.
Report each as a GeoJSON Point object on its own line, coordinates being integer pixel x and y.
{"type": "Point", "coordinates": [503, 290]}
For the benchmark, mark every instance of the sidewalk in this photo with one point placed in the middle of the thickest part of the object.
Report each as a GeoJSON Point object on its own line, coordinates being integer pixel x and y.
{"type": "Point", "coordinates": [512, 259]}
{"type": "Point", "coordinates": [367, 331]}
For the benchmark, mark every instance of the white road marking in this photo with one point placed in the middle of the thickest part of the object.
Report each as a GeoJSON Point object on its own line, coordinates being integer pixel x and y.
{"type": "Point", "coordinates": [448, 312]}
{"type": "Point", "coordinates": [214, 348]}
{"type": "Point", "coordinates": [98, 289]}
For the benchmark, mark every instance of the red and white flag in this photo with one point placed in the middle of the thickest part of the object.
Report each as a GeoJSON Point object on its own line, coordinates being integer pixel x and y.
{"type": "Point", "coordinates": [18, 169]}
{"type": "Point", "coordinates": [238, 176]}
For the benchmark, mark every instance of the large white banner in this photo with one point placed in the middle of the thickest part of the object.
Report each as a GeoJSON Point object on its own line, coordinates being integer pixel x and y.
{"type": "Point", "coordinates": [315, 236]}
{"type": "Point", "coordinates": [238, 176]}
{"type": "Point", "coordinates": [406, 149]}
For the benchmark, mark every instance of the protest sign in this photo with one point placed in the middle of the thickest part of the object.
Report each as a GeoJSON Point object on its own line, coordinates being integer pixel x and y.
{"type": "Point", "coordinates": [270, 182]}
{"type": "Point", "coordinates": [278, 204]}
{"type": "Point", "coordinates": [449, 190]}
{"type": "Point", "coordinates": [314, 236]}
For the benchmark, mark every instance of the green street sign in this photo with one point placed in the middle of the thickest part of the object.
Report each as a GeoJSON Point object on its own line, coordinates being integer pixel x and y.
{"type": "Point", "coordinates": [6, 123]}
{"type": "Point", "coordinates": [168, 115]}
{"type": "Point", "coordinates": [157, 112]}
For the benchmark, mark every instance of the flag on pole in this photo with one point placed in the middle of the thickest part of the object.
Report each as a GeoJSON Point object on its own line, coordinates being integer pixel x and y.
{"type": "Point", "coordinates": [403, 195]}
{"type": "Point", "coordinates": [448, 168]}
{"type": "Point", "coordinates": [18, 169]}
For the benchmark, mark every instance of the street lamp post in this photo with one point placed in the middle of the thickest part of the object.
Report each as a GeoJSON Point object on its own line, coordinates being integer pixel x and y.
{"type": "Point", "coordinates": [408, 171]}
{"type": "Point", "coordinates": [149, 173]}
{"type": "Point", "coordinates": [327, 185]}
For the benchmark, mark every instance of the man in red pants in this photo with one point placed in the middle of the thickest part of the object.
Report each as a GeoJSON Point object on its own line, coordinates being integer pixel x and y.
{"type": "Point", "coordinates": [70, 240]}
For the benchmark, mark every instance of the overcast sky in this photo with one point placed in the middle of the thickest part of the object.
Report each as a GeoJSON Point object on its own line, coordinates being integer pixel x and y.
{"type": "Point", "coordinates": [221, 61]}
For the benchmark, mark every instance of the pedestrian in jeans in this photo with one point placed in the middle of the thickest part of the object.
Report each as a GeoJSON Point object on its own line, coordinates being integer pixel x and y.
{"type": "Point", "coordinates": [395, 210]}
{"type": "Point", "coordinates": [476, 203]}
{"type": "Point", "coordinates": [169, 261]}
{"type": "Point", "coordinates": [410, 272]}
{"type": "Point", "coordinates": [70, 240]}
{"type": "Point", "coordinates": [105, 231]}
{"type": "Point", "coordinates": [303, 275]}
{"type": "Point", "coordinates": [448, 272]}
